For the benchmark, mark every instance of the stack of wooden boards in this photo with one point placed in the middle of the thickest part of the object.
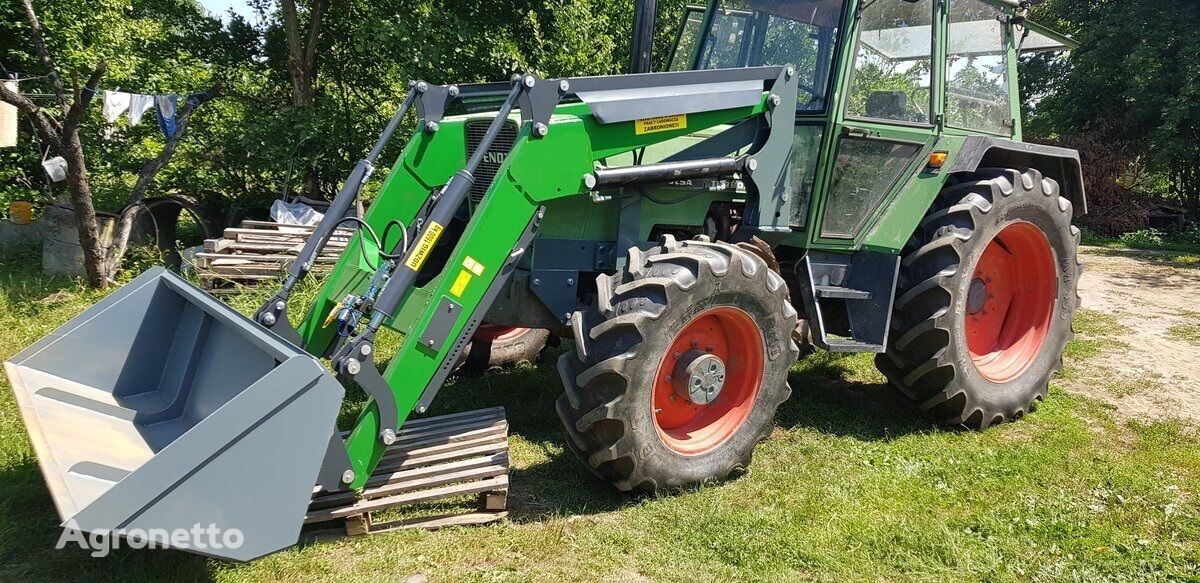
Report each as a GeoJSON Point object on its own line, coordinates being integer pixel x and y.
{"type": "Point", "coordinates": [433, 460]}
{"type": "Point", "coordinates": [262, 250]}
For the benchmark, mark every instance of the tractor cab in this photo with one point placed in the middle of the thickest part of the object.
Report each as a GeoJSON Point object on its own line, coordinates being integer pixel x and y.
{"type": "Point", "coordinates": [884, 84]}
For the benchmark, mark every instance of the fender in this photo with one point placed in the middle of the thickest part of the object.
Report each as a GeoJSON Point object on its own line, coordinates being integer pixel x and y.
{"type": "Point", "coordinates": [1061, 164]}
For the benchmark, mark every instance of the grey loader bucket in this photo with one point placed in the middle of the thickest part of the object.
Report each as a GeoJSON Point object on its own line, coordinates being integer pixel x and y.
{"type": "Point", "coordinates": [161, 408]}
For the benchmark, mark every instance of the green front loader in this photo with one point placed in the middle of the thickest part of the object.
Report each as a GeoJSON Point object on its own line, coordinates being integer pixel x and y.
{"type": "Point", "coordinates": [809, 174]}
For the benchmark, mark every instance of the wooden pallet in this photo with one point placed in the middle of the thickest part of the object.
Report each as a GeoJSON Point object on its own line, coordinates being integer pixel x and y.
{"type": "Point", "coordinates": [261, 250]}
{"type": "Point", "coordinates": [433, 459]}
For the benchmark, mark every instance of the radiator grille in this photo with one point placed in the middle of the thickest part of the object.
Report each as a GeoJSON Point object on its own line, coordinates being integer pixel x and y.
{"type": "Point", "coordinates": [495, 156]}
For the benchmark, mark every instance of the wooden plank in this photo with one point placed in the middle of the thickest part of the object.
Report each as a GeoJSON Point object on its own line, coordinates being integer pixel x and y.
{"type": "Point", "coordinates": [271, 270]}
{"type": "Point", "coordinates": [261, 258]}
{"type": "Point", "coordinates": [466, 417]}
{"type": "Point", "coordinates": [237, 232]}
{"type": "Point", "coordinates": [495, 500]}
{"type": "Point", "coordinates": [216, 245]}
{"type": "Point", "coordinates": [380, 479]}
{"type": "Point", "coordinates": [358, 525]}
{"type": "Point", "coordinates": [425, 522]}
{"type": "Point", "coordinates": [251, 224]}
{"type": "Point", "coordinates": [440, 478]}
{"type": "Point", "coordinates": [489, 412]}
{"type": "Point", "coordinates": [420, 443]}
{"type": "Point", "coordinates": [435, 458]}
{"type": "Point", "coordinates": [437, 479]}
{"type": "Point", "coordinates": [236, 278]}
{"type": "Point", "coordinates": [426, 450]}
{"type": "Point", "coordinates": [440, 493]}
{"type": "Point", "coordinates": [443, 521]}
{"type": "Point", "coordinates": [397, 464]}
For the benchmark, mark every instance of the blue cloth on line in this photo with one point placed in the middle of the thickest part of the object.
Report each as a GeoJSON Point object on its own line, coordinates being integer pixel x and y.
{"type": "Point", "coordinates": [165, 104]}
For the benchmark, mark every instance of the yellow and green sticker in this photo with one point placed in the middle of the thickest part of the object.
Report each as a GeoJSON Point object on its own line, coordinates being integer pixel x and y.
{"type": "Point", "coordinates": [460, 283]}
{"type": "Point", "coordinates": [471, 268]}
{"type": "Point", "coordinates": [424, 246]}
{"type": "Point", "coordinates": [663, 123]}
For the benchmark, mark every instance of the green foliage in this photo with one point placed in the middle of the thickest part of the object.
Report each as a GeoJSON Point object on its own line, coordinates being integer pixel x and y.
{"type": "Point", "coordinates": [1135, 80]}
{"type": "Point", "coordinates": [252, 145]}
{"type": "Point", "coordinates": [151, 46]}
{"type": "Point", "coordinates": [1184, 240]}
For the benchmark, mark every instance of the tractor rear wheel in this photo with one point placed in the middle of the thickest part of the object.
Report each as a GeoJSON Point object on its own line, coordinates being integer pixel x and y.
{"type": "Point", "coordinates": [988, 289]}
{"type": "Point", "coordinates": [678, 370]}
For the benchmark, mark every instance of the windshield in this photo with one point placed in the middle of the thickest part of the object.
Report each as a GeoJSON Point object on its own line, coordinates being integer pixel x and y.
{"type": "Point", "coordinates": [751, 33]}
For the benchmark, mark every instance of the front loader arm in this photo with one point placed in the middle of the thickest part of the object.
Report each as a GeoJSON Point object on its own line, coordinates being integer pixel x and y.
{"type": "Point", "coordinates": [555, 155]}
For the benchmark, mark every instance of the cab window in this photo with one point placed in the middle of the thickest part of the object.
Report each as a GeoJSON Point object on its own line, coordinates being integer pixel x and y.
{"type": "Point", "coordinates": [893, 62]}
{"type": "Point", "coordinates": [752, 33]}
{"type": "Point", "coordinates": [977, 60]}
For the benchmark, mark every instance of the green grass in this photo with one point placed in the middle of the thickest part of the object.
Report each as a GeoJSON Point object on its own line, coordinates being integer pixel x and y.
{"type": "Point", "coordinates": [1185, 241]}
{"type": "Point", "coordinates": [851, 485]}
{"type": "Point", "coordinates": [1189, 333]}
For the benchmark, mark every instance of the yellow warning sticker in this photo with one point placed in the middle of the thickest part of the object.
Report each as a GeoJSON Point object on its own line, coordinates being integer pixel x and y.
{"type": "Point", "coordinates": [475, 266]}
{"type": "Point", "coordinates": [424, 246]}
{"type": "Point", "coordinates": [664, 123]}
{"type": "Point", "coordinates": [460, 283]}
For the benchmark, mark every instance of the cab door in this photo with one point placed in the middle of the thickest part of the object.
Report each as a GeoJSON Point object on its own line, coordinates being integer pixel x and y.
{"type": "Point", "coordinates": [886, 119]}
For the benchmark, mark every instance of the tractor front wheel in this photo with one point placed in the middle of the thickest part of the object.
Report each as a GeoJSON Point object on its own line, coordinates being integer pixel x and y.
{"type": "Point", "coordinates": [678, 370]}
{"type": "Point", "coordinates": [987, 293]}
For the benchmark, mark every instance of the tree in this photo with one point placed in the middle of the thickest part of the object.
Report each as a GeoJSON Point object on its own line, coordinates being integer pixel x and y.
{"type": "Point", "coordinates": [60, 131]}
{"type": "Point", "coordinates": [1134, 82]}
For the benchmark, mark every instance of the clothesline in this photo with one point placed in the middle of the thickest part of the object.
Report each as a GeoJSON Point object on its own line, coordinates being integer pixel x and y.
{"type": "Point", "coordinates": [116, 103]}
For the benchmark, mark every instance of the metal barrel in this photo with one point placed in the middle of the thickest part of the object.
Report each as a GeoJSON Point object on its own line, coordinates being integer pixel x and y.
{"type": "Point", "coordinates": [161, 410]}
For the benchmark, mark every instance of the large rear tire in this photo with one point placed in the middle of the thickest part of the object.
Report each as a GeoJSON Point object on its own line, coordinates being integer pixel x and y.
{"type": "Point", "coordinates": [988, 289]}
{"type": "Point", "coordinates": [678, 370]}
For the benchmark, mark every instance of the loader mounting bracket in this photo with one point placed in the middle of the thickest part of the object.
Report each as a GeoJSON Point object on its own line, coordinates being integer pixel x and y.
{"type": "Point", "coordinates": [767, 169]}
{"type": "Point", "coordinates": [355, 362]}
{"type": "Point", "coordinates": [274, 317]}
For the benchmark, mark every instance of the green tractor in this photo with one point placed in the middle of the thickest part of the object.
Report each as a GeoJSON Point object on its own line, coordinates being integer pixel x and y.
{"type": "Point", "coordinates": [834, 174]}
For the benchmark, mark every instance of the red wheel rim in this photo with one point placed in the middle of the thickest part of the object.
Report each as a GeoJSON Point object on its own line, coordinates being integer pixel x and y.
{"type": "Point", "coordinates": [495, 333]}
{"type": "Point", "coordinates": [691, 428]}
{"type": "Point", "coordinates": [1010, 302]}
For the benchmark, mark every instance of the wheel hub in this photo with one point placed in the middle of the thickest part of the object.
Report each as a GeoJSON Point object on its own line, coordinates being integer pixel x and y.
{"type": "Point", "coordinates": [699, 376]}
{"type": "Point", "coordinates": [707, 380]}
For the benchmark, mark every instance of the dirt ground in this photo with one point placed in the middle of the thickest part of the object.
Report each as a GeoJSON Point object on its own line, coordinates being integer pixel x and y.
{"type": "Point", "coordinates": [1146, 371]}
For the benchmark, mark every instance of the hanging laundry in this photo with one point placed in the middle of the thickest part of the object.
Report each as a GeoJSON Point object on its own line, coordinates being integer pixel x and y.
{"type": "Point", "coordinates": [115, 103]}
{"type": "Point", "coordinates": [138, 106]}
{"type": "Point", "coordinates": [166, 114]}
{"type": "Point", "coordinates": [8, 120]}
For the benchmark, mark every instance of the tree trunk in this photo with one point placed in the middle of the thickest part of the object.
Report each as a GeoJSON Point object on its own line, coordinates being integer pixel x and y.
{"type": "Point", "coordinates": [302, 65]}
{"type": "Point", "coordinates": [98, 274]}
{"type": "Point", "coordinates": [146, 178]}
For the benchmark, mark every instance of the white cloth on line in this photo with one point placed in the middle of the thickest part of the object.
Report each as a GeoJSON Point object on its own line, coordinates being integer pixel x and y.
{"type": "Point", "coordinates": [115, 103]}
{"type": "Point", "coordinates": [8, 120]}
{"type": "Point", "coordinates": [139, 105]}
